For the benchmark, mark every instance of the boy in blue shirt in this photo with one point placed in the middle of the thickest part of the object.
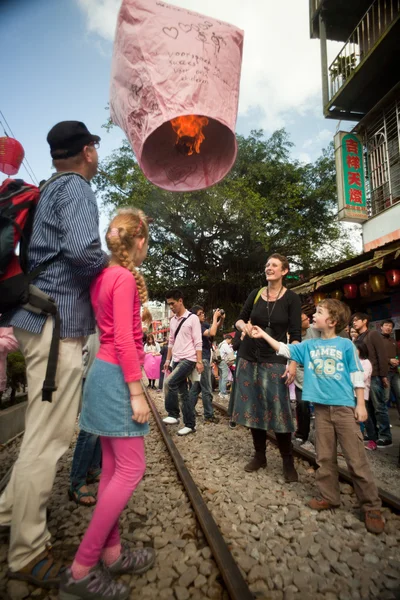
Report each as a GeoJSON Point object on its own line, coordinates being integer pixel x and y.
{"type": "Point", "coordinates": [332, 371]}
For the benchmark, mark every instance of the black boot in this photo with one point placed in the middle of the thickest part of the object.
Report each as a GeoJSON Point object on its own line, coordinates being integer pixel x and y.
{"type": "Point", "coordinates": [285, 448]}
{"type": "Point", "coordinates": [259, 459]}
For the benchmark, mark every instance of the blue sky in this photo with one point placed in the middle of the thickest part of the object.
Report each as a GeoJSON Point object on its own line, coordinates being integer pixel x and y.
{"type": "Point", "coordinates": [56, 57]}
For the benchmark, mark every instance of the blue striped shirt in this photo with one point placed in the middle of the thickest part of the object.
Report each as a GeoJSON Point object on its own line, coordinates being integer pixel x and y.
{"type": "Point", "coordinates": [66, 223]}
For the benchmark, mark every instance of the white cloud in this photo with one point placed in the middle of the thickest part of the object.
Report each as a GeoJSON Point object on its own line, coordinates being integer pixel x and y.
{"type": "Point", "coordinates": [281, 65]}
{"type": "Point", "coordinates": [321, 139]}
{"type": "Point", "coordinates": [303, 157]}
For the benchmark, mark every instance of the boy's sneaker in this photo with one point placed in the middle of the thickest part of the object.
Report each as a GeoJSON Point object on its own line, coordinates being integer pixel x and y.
{"type": "Point", "coordinates": [98, 585]}
{"type": "Point", "coordinates": [384, 443]}
{"type": "Point", "coordinates": [371, 445]}
{"type": "Point", "coordinates": [373, 521]}
{"type": "Point", "coordinates": [320, 504]}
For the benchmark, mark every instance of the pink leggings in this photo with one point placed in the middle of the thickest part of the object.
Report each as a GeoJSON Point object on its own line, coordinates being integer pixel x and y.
{"type": "Point", "coordinates": [123, 467]}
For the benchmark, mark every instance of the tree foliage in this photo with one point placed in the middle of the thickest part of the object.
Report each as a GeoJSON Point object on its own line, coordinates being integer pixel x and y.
{"type": "Point", "coordinates": [217, 240]}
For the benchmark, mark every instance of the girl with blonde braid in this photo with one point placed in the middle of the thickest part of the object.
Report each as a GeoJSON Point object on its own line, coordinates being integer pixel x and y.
{"type": "Point", "coordinates": [115, 408]}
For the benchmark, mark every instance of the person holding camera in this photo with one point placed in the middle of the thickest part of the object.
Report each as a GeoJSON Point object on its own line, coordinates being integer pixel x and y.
{"type": "Point", "coordinates": [204, 386]}
{"type": "Point", "coordinates": [260, 398]}
{"type": "Point", "coordinates": [225, 351]}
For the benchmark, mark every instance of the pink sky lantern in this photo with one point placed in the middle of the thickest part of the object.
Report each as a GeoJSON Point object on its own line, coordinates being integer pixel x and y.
{"type": "Point", "coordinates": [175, 90]}
{"type": "Point", "coordinates": [11, 155]}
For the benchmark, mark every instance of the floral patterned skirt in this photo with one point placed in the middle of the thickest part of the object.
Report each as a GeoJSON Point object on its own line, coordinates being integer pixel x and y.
{"type": "Point", "coordinates": [260, 398]}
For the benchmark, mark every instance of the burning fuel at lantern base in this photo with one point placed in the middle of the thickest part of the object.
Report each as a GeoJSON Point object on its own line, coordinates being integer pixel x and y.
{"type": "Point", "coordinates": [189, 133]}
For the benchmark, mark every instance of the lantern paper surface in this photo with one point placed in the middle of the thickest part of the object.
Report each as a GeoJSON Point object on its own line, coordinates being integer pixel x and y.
{"type": "Point", "coordinates": [169, 62]}
{"type": "Point", "coordinates": [350, 291]}
{"type": "Point", "coordinates": [318, 297]}
{"type": "Point", "coordinates": [393, 277]}
{"type": "Point", "coordinates": [365, 289]}
{"type": "Point", "coordinates": [377, 283]}
{"type": "Point", "coordinates": [11, 155]}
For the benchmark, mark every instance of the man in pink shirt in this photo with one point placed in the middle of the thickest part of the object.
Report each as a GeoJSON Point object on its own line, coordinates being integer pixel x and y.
{"type": "Point", "coordinates": [185, 349]}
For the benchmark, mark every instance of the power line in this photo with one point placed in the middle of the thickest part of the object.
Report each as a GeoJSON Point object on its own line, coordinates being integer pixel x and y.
{"type": "Point", "coordinates": [30, 172]}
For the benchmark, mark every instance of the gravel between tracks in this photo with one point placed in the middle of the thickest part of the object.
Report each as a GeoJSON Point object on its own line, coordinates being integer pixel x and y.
{"type": "Point", "coordinates": [285, 550]}
{"type": "Point", "coordinates": [159, 515]}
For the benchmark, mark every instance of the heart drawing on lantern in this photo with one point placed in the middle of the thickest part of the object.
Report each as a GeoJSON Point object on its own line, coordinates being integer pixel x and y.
{"type": "Point", "coordinates": [171, 32]}
{"type": "Point", "coordinates": [185, 28]}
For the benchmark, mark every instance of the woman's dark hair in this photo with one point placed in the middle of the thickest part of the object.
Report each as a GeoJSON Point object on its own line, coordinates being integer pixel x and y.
{"type": "Point", "coordinates": [362, 349]}
{"type": "Point", "coordinates": [150, 335]}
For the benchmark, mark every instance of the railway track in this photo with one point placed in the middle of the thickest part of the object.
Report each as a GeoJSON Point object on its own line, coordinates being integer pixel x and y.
{"type": "Point", "coordinates": [230, 572]}
{"type": "Point", "coordinates": [388, 499]}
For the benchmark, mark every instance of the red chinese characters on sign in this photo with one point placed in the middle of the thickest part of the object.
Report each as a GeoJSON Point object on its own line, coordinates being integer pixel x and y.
{"type": "Point", "coordinates": [356, 196]}
{"type": "Point", "coordinates": [352, 146]}
{"type": "Point", "coordinates": [350, 177]}
{"type": "Point", "coordinates": [354, 178]}
{"type": "Point", "coordinates": [353, 162]}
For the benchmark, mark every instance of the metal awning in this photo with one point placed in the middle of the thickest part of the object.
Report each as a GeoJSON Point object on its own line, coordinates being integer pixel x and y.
{"type": "Point", "coordinates": [323, 280]}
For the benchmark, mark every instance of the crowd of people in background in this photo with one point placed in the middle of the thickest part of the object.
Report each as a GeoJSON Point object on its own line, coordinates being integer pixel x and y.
{"type": "Point", "coordinates": [346, 382]}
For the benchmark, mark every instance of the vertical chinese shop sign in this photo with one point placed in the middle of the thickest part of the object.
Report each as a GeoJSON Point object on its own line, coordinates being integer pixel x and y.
{"type": "Point", "coordinates": [350, 178]}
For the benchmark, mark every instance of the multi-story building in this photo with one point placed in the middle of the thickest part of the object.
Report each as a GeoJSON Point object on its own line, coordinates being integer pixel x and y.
{"type": "Point", "coordinates": [361, 89]}
{"type": "Point", "coordinates": [362, 84]}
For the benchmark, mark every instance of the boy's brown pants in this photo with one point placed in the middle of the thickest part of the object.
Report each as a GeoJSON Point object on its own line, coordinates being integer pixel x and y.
{"type": "Point", "coordinates": [337, 424]}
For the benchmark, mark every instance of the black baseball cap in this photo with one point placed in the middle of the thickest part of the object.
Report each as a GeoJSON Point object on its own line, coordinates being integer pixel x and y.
{"type": "Point", "coordinates": [68, 138]}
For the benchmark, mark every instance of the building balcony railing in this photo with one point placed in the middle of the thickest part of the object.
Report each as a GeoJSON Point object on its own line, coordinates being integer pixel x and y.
{"type": "Point", "coordinates": [370, 30]}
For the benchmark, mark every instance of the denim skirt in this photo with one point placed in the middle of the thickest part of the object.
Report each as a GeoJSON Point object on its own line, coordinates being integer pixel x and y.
{"type": "Point", "coordinates": [260, 398]}
{"type": "Point", "coordinates": [106, 406]}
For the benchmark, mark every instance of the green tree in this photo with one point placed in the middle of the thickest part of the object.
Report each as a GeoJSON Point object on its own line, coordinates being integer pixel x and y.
{"type": "Point", "coordinates": [217, 240]}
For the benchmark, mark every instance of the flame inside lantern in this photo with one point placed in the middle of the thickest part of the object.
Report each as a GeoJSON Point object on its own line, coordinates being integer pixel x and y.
{"type": "Point", "coordinates": [189, 133]}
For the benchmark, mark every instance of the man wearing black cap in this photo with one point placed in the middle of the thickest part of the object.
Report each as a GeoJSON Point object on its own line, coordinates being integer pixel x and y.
{"type": "Point", "coordinates": [65, 236]}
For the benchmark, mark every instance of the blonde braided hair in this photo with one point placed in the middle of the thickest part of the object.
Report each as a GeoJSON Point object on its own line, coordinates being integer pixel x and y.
{"type": "Point", "coordinates": [127, 226]}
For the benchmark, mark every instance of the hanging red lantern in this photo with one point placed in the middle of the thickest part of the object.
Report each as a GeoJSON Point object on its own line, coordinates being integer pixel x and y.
{"type": "Point", "coordinates": [336, 294]}
{"type": "Point", "coordinates": [350, 291]}
{"type": "Point", "coordinates": [393, 277]}
{"type": "Point", "coordinates": [318, 297]}
{"type": "Point", "coordinates": [365, 289]}
{"type": "Point", "coordinates": [11, 155]}
{"type": "Point", "coordinates": [378, 283]}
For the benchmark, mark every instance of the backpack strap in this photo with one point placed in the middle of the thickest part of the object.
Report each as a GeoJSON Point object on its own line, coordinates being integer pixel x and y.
{"type": "Point", "coordinates": [57, 176]}
{"type": "Point", "coordinates": [256, 299]}
{"type": "Point", "coordinates": [179, 326]}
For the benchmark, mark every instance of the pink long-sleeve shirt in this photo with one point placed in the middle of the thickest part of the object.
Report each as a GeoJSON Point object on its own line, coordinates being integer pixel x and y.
{"type": "Point", "coordinates": [116, 304]}
{"type": "Point", "coordinates": [189, 337]}
{"type": "Point", "coordinates": [8, 343]}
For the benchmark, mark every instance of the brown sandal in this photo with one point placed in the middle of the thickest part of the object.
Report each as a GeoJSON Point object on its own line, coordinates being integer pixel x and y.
{"type": "Point", "coordinates": [75, 494]}
{"type": "Point", "coordinates": [43, 571]}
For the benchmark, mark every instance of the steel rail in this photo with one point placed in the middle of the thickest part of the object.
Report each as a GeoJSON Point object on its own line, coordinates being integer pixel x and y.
{"type": "Point", "coordinates": [386, 497]}
{"type": "Point", "coordinates": [233, 578]}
